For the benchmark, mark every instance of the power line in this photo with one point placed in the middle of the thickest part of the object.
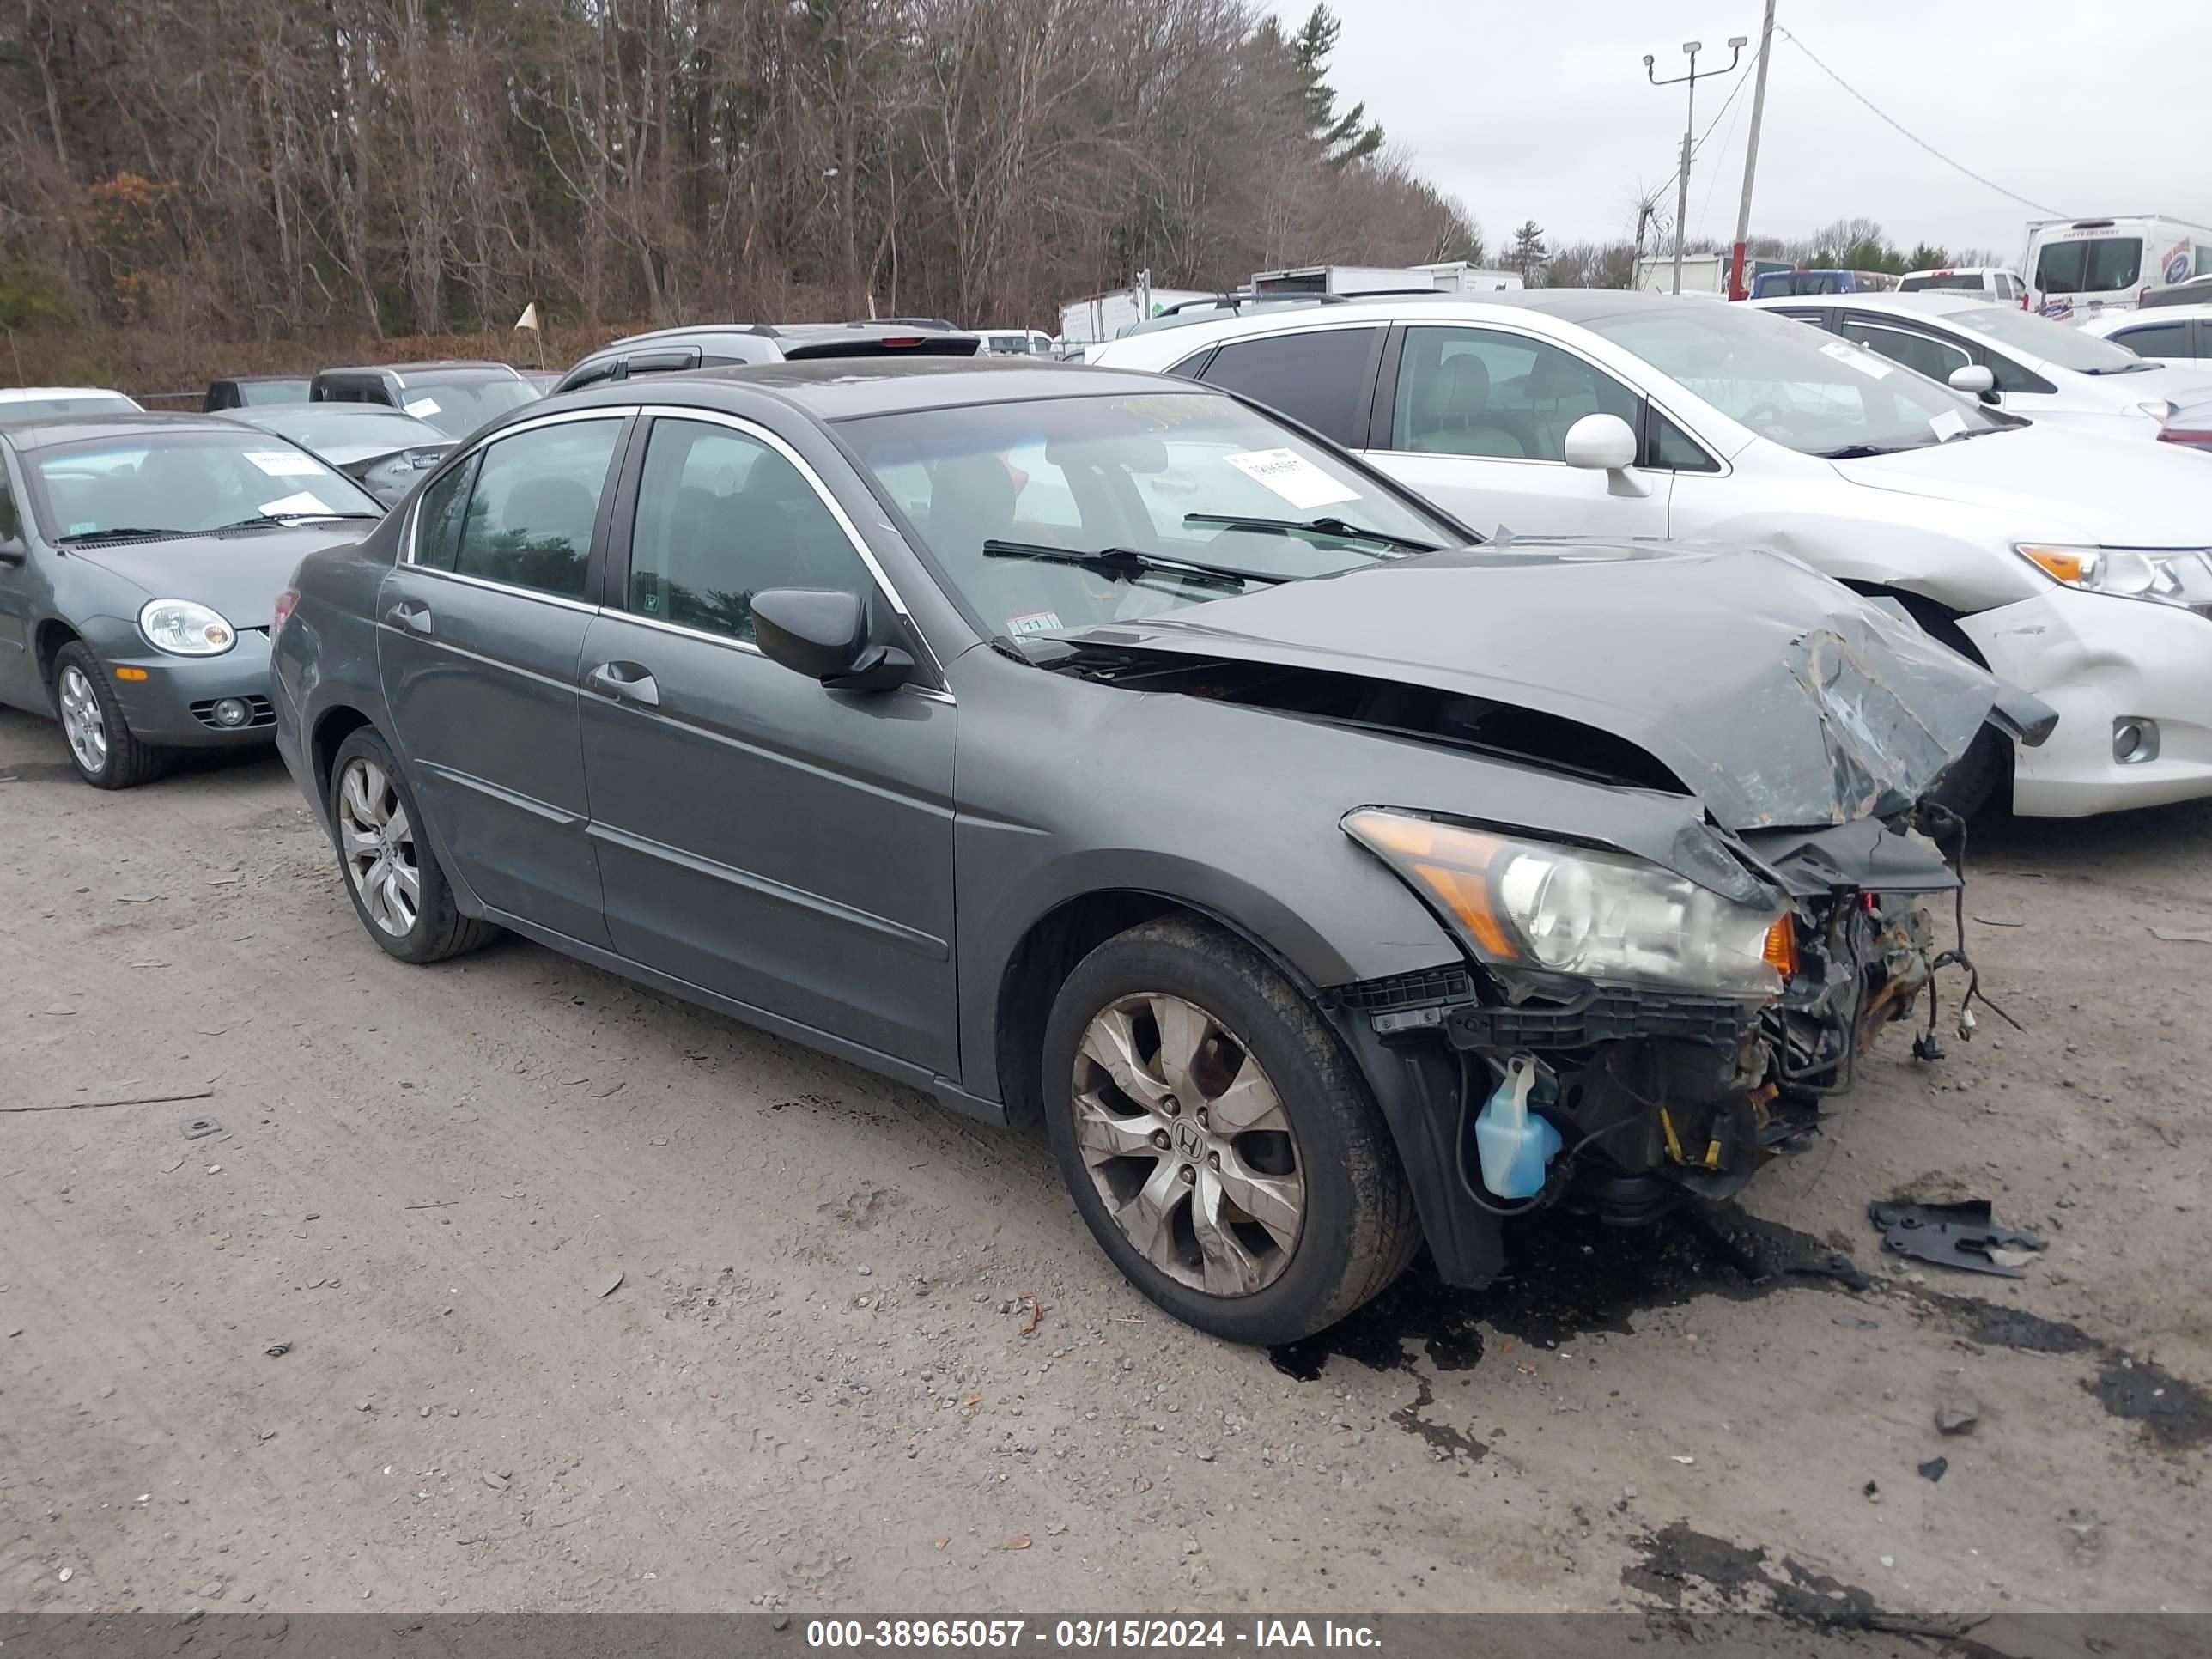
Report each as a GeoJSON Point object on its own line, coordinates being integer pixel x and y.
{"type": "Point", "coordinates": [1713, 183]}
{"type": "Point", "coordinates": [1991, 184]}
{"type": "Point", "coordinates": [1742, 76]}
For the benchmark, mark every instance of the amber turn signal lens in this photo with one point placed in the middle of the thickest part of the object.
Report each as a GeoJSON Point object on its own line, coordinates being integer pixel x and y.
{"type": "Point", "coordinates": [1781, 951]}
{"type": "Point", "coordinates": [129, 673]}
{"type": "Point", "coordinates": [2065, 566]}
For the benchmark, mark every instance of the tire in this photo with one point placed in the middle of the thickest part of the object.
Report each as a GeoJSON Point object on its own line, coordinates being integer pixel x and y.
{"type": "Point", "coordinates": [401, 896]}
{"type": "Point", "coordinates": [1209, 1257]}
{"type": "Point", "coordinates": [106, 754]}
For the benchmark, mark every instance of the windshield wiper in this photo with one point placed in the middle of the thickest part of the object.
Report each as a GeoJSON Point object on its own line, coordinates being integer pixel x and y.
{"type": "Point", "coordinates": [1336, 529]}
{"type": "Point", "coordinates": [1862, 452]}
{"type": "Point", "coordinates": [1126, 562]}
{"type": "Point", "coordinates": [2121, 368]}
{"type": "Point", "coordinates": [121, 532]}
{"type": "Point", "coordinates": [284, 520]}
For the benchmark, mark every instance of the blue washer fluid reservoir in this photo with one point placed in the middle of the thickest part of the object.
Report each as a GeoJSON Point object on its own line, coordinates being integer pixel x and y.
{"type": "Point", "coordinates": [1513, 1145]}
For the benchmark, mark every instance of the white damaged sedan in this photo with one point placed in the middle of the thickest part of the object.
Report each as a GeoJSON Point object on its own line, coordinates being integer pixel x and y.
{"type": "Point", "coordinates": [2075, 565]}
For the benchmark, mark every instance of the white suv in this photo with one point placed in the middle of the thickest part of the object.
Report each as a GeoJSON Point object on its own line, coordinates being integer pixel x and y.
{"type": "Point", "coordinates": [2073, 564]}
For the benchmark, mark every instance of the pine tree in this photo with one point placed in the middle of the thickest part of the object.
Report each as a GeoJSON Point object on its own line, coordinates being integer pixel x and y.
{"type": "Point", "coordinates": [1346, 138]}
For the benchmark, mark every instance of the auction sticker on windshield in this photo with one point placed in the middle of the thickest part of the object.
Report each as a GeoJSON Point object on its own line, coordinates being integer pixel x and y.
{"type": "Point", "coordinates": [1292, 477]}
{"type": "Point", "coordinates": [422, 408]}
{"type": "Point", "coordinates": [1865, 361]}
{"type": "Point", "coordinates": [285, 464]}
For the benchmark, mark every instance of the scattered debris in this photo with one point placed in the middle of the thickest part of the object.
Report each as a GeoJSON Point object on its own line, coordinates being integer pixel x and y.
{"type": "Point", "coordinates": [1036, 1316]}
{"type": "Point", "coordinates": [1957, 1413]}
{"type": "Point", "coordinates": [134, 1100]}
{"type": "Point", "coordinates": [363, 1404]}
{"type": "Point", "coordinates": [971, 1402]}
{"type": "Point", "coordinates": [2182, 935]}
{"type": "Point", "coordinates": [1871, 1491]}
{"type": "Point", "coordinates": [1960, 1235]}
{"type": "Point", "coordinates": [435, 1204]}
{"type": "Point", "coordinates": [496, 1480]}
{"type": "Point", "coordinates": [605, 1284]}
{"type": "Point", "coordinates": [942, 1542]}
{"type": "Point", "coordinates": [61, 1010]}
{"type": "Point", "coordinates": [1018, 1541]}
{"type": "Point", "coordinates": [1840, 1267]}
{"type": "Point", "coordinates": [1934, 1468]}
{"type": "Point", "coordinates": [1684, 1460]}
{"type": "Point", "coordinates": [66, 1574]}
{"type": "Point", "coordinates": [2000, 921]}
{"type": "Point", "coordinates": [198, 1128]}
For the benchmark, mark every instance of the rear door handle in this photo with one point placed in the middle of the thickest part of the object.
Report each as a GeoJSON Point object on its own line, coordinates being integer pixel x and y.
{"type": "Point", "coordinates": [412, 615]}
{"type": "Point", "coordinates": [630, 682]}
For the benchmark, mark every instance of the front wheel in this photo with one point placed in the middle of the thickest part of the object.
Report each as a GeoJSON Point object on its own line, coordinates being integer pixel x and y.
{"type": "Point", "coordinates": [397, 889]}
{"type": "Point", "coordinates": [1219, 1141]}
{"type": "Point", "coordinates": [108, 755]}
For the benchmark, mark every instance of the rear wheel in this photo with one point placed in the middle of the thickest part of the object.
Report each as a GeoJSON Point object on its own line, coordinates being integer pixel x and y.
{"type": "Point", "coordinates": [398, 891]}
{"type": "Point", "coordinates": [100, 742]}
{"type": "Point", "coordinates": [1219, 1143]}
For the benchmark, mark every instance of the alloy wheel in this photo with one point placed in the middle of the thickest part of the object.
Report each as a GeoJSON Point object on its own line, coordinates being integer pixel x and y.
{"type": "Point", "coordinates": [83, 722]}
{"type": "Point", "coordinates": [377, 841]}
{"type": "Point", "coordinates": [1187, 1144]}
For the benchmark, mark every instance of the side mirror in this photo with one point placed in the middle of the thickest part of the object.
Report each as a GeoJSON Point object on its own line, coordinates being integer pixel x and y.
{"type": "Point", "coordinates": [12, 551]}
{"type": "Point", "coordinates": [1975, 379]}
{"type": "Point", "coordinates": [822, 634]}
{"type": "Point", "coordinates": [1604, 443]}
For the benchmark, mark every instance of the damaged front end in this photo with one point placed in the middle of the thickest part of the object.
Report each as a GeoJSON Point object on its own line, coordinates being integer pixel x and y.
{"type": "Point", "coordinates": [1659, 1077]}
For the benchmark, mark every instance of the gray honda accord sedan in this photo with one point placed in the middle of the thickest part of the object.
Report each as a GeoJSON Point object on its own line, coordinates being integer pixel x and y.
{"type": "Point", "coordinates": [1099, 748]}
{"type": "Point", "coordinates": [140, 556]}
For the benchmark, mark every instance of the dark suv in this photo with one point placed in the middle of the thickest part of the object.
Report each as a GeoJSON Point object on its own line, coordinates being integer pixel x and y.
{"type": "Point", "coordinates": [716, 345]}
{"type": "Point", "coordinates": [456, 398]}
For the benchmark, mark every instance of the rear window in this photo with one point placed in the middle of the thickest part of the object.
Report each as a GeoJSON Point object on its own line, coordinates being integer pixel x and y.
{"type": "Point", "coordinates": [2096, 264]}
{"type": "Point", "coordinates": [273, 392]}
{"type": "Point", "coordinates": [1963, 284]}
{"type": "Point", "coordinates": [1319, 378]}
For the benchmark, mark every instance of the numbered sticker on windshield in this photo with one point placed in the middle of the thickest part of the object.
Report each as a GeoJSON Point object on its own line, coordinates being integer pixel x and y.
{"type": "Point", "coordinates": [422, 408]}
{"type": "Point", "coordinates": [1292, 477]}
{"type": "Point", "coordinates": [301, 505]}
{"type": "Point", "coordinates": [285, 463]}
{"type": "Point", "coordinates": [1037, 622]}
{"type": "Point", "coordinates": [1865, 361]}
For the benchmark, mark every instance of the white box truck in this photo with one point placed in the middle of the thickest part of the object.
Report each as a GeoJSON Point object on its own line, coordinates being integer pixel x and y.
{"type": "Point", "coordinates": [1100, 317]}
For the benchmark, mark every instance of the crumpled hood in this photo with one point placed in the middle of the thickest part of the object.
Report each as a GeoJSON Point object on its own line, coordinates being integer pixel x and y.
{"type": "Point", "coordinates": [2123, 491]}
{"type": "Point", "coordinates": [1776, 697]}
{"type": "Point", "coordinates": [239, 574]}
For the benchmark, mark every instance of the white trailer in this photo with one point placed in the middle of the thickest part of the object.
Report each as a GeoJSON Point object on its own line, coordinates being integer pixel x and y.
{"type": "Point", "coordinates": [1458, 276]}
{"type": "Point", "coordinates": [1702, 273]}
{"type": "Point", "coordinates": [1348, 279]}
{"type": "Point", "coordinates": [1100, 317]}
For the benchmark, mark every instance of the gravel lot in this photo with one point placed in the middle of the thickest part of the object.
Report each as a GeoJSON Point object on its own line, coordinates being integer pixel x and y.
{"type": "Point", "coordinates": [863, 1356]}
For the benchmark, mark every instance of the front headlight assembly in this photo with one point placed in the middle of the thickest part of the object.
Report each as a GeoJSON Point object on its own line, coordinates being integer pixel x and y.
{"type": "Point", "coordinates": [1545, 908]}
{"type": "Point", "coordinates": [2180, 576]}
{"type": "Point", "coordinates": [183, 629]}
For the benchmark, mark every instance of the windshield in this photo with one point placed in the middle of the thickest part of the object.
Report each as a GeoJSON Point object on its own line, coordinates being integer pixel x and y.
{"type": "Point", "coordinates": [2060, 344]}
{"type": "Point", "coordinates": [1791, 382]}
{"type": "Point", "coordinates": [458, 408]}
{"type": "Point", "coordinates": [2096, 264]}
{"type": "Point", "coordinates": [180, 483]}
{"type": "Point", "coordinates": [273, 392]}
{"type": "Point", "coordinates": [91, 403]}
{"type": "Point", "coordinates": [332, 426]}
{"type": "Point", "coordinates": [1154, 474]}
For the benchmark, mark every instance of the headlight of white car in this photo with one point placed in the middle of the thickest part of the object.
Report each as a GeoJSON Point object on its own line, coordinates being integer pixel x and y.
{"type": "Point", "coordinates": [185, 629]}
{"type": "Point", "coordinates": [2180, 576]}
{"type": "Point", "coordinates": [1548, 907]}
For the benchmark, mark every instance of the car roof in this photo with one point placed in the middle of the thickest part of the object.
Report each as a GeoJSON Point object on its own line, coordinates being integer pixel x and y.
{"type": "Point", "coordinates": [257, 380]}
{"type": "Point", "coordinates": [322, 411]}
{"type": "Point", "coordinates": [2111, 322]}
{"type": "Point", "coordinates": [844, 388]}
{"type": "Point", "coordinates": [19, 394]}
{"type": "Point", "coordinates": [45, 431]}
{"type": "Point", "coordinates": [1965, 270]}
{"type": "Point", "coordinates": [443, 365]}
{"type": "Point", "coordinates": [1568, 305]}
{"type": "Point", "coordinates": [1928, 302]}
{"type": "Point", "coordinates": [789, 333]}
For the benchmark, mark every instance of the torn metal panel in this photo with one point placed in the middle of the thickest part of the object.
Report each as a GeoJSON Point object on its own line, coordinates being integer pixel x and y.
{"type": "Point", "coordinates": [1963, 1234]}
{"type": "Point", "coordinates": [1810, 706]}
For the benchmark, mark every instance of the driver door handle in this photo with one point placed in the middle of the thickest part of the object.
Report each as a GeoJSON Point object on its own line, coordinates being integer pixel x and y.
{"type": "Point", "coordinates": [629, 682]}
{"type": "Point", "coordinates": [412, 615]}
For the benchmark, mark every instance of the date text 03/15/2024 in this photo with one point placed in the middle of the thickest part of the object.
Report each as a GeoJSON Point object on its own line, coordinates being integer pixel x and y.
{"type": "Point", "coordinates": [1085, 1634]}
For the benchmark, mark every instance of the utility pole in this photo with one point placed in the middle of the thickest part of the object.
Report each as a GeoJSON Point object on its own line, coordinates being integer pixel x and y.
{"type": "Point", "coordinates": [1690, 48]}
{"type": "Point", "coordinates": [1739, 287]}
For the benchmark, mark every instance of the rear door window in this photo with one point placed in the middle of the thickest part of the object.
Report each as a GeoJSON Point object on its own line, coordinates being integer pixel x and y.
{"type": "Point", "coordinates": [1322, 378]}
{"type": "Point", "coordinates": [1481, 392]}
{"type": "Point", "coordinates": [537, 497]}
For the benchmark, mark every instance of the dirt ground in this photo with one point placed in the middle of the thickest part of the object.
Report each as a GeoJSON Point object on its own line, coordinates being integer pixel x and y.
{"type": "Point", "coordinates": [862, 1356]}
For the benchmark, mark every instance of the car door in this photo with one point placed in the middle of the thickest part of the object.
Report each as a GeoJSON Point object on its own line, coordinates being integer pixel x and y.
{"type": "Point", "coordinates": [780, 844]}
{"type": "Point", "coordinates": [1476, 419]}
{"type": "Point", "coordinates": [1901, 343]}
{"type": "Point", "coordinates": [19, 685]}
{"type": "Point", "coordinates": [480, 628]}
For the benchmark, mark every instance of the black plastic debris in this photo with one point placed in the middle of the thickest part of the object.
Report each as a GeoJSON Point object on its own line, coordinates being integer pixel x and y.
{"type": "Point", "coordinates": [1959, 1235]}
{"type": "Point", "coordinates": [1841, 1268]}
{"type": "Point", "coordinates": [1934, 1468]}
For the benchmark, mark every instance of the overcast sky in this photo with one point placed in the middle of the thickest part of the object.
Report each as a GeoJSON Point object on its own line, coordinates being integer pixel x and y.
{"type": "Point", "coordinates": [1542, 111]}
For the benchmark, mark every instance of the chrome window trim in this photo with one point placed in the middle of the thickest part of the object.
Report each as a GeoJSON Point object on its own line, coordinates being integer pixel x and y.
{"type": "Point", "coordinates": [762, 435]}
{"type": "Point", "coordinates": [730, 642]}
{"type": "Point", "coordinates": [537, 594]}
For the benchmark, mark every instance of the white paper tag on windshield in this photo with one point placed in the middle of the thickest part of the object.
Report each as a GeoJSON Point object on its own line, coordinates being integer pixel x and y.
{"type": "Point", "coordinates": [422, 408]}
{"type": "Point", "coordinates": [285, 463]}
{"type": "Point", "coordinates": [1292, 477]}
{"type": "Point", "coordinates": [1037, 622]}
{"type": "Point", "coordinates": [1865, 361]}
{"type": "Point", "coordinates": [1949, 424]}
{"type": "Point", "coordinates": [302, 505]}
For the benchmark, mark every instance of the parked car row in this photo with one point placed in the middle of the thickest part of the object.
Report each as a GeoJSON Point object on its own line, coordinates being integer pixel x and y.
{"type": "Point", "coordinates": [1165, 757]}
